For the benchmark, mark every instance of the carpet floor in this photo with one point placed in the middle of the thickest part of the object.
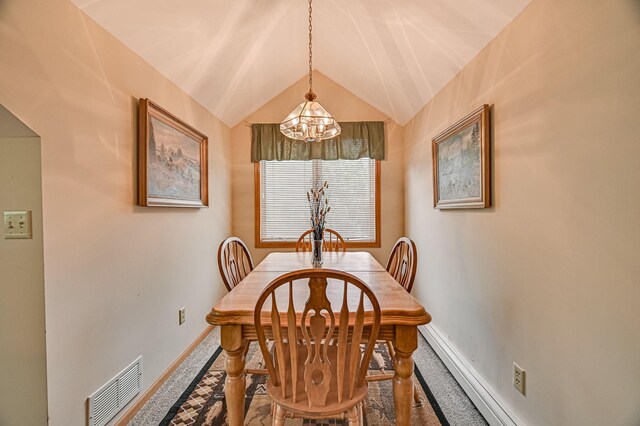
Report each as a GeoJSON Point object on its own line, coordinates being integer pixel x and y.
{"type": "Point", "coordinates": [194, 394]}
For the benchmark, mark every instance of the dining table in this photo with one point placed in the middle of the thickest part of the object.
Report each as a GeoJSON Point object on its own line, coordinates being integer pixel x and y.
{"type": "Point", "coordinates": [401, 315]}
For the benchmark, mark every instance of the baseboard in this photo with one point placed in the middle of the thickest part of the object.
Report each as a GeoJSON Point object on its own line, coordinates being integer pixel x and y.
{"type": "Point", "coordinates": [494, 410]}
{"type": "Point", "coordinates": [131, 412]}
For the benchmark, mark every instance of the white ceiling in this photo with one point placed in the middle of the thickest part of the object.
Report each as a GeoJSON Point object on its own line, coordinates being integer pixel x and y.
{"type": "Point", "coordinates": [235, 55]}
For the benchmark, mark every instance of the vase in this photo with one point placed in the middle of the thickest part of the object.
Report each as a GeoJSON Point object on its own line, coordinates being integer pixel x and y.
{"type": "Point", "coordinates": [316, 251]}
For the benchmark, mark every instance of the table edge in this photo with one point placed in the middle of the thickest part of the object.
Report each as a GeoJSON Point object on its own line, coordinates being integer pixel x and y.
{"type": "Point", "coordinates": [420, 317]}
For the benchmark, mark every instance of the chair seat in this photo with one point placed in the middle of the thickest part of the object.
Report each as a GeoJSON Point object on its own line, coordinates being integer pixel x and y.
{"type": "Point", "coordinates": [301, 406]}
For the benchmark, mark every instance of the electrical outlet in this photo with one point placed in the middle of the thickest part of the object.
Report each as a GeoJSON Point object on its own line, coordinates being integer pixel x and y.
{"type": "Point", "coordinates": [518, 378]}
{"type": "Point", "coordinates": [181, 315]}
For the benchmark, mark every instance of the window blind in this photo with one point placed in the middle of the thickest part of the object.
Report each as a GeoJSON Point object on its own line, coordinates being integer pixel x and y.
{"type": "Point", "coordinates": [284, 209]}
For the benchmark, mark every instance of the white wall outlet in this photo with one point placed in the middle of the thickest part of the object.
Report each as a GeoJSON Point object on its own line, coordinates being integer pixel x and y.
{"type": "Point", "coordinates": [181, 315]}
{"type": "Point", "coordinates": [518, 378]}
{"type": "Point", "coordinates": [17, 225]}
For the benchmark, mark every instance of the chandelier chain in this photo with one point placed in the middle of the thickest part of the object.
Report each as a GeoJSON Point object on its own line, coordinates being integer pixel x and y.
{"type": "Point", "coordinates": [309, 121]}
{"type": "Point", "coordinates": [310, 50]}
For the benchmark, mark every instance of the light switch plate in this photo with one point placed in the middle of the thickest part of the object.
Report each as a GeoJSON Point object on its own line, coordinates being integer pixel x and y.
{"type": "Point", "coordinates": [17, 224]}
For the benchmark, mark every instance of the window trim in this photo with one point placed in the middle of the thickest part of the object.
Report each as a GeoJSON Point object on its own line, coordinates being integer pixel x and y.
{"type": "Point", "coordinates": [292, 244]}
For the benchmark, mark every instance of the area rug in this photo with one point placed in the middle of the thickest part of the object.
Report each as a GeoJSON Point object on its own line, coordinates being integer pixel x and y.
{"type": "Point", "coordinates": [203, 404]}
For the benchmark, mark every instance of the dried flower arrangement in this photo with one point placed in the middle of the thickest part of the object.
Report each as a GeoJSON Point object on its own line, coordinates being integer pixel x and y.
{"type": "Point", "coordinates": [318, 208]}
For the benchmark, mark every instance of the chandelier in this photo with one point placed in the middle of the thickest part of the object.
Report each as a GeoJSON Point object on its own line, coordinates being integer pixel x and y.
{"type": "Point", "coordinates": [310, 122]}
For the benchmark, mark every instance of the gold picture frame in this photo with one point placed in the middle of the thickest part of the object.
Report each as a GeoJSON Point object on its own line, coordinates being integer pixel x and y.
{"type": "Point", "coordinates": [461, 163]}
{"type": "Point", "coordinates": [172, 160]}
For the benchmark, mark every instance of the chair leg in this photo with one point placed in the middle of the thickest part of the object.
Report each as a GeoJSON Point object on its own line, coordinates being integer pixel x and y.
{"type": "Point", "coordinates": [260, 363]}
{"type": "Point", "coordinates": [416, 394]}
{"type": "Point", "coordinates": [260, 369]}
{"type": "Point", "coordinates": [353, 416]}
{"type": "Point", "coordinates": [278, 416]}
{"type": "Point", "coordinates": [392, 352]}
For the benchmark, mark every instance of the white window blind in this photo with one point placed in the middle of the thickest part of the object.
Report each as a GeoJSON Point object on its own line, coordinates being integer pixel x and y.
{"type": "Point", "coordinates": [284, 209]}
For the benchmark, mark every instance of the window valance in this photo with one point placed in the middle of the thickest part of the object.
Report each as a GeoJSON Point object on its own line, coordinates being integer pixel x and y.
{"type": "Point", "coordinates": [361, 139]}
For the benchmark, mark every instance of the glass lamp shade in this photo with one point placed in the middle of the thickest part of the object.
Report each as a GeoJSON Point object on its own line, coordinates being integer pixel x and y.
{"type": "Point", "coordinates": [310, 122]}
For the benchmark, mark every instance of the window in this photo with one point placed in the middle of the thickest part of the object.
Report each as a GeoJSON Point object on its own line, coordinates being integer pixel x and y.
{"type": "Point", "coordinates": [282, 209]}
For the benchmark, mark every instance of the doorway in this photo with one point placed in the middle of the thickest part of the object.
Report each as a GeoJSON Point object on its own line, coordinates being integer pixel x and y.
{"type": "Point", "coordinates": [23, 373]}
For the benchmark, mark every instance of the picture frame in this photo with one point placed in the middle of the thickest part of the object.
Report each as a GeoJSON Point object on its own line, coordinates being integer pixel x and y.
{"type": "Point", "coordinates": [461, 163]}
{"type": "Point", "coordinates": [172, 160]}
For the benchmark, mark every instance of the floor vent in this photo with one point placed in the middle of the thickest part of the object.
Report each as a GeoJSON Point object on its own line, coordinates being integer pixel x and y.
{"type": "Point", "coordinates": [107, 401]}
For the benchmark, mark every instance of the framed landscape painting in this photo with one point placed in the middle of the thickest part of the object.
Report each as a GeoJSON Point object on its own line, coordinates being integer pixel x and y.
{"type": "Point", "coordinates": [461, 163]}
{"type": "Point", "coordinates": [172, 160]}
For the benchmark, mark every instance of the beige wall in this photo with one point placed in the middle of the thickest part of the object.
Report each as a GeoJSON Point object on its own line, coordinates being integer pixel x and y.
{"type": "Point", "coordinates": [115, 274]}
{"type": "Point", "coordinates": [23, 374]}
{"type": "Point", "coordinates": [549, 276]}
{"type": "Point", "coordinates": [344, 106]}
{"type": "Point", "coordinates": [11, 127]}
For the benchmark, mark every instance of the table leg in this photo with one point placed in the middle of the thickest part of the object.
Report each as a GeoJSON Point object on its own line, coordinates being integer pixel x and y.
{"type": "Point", "coordinates": [405, 342]}
{"type": "Point", "coordinates": [235, 385]}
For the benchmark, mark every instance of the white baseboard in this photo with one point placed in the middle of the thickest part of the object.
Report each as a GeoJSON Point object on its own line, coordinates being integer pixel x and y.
{"type": "Point", "coordinates": [494, 410]}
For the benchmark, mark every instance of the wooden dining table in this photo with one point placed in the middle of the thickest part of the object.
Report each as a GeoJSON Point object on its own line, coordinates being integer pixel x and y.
{"type": "Point", "coordinates": [401, 315]}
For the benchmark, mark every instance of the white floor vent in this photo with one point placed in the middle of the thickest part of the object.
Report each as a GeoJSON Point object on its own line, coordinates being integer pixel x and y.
{"type": "Point", "coordinates": [107, 401]}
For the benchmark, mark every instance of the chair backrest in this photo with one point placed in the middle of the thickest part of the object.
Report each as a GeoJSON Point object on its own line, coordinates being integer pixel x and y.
{"type": "Point", "coordinates": [403, 262]}
{"type": "Point", "coordinates": [315, 332]}
{"type": "Point", "coordinates": [234, 261]}
{"type": "Point", "coordinates": [331, 241]}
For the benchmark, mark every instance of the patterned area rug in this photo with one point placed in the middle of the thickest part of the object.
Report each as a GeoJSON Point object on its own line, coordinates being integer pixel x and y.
{"type": "Point", "coordinates": [202, 403]}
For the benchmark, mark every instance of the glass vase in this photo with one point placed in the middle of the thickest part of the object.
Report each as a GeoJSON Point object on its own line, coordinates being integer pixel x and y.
{"type": "Point", "coordinates": [316, 251]}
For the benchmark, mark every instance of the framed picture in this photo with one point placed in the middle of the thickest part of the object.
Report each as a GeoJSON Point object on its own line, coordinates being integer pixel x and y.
{"type": "Point", "coordinates": [461, 163]}
{"type": "Point", "coordinates": [172, 160]}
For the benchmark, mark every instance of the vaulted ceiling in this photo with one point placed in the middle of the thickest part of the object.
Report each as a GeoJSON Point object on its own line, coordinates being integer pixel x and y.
{"type": "Point", "coordinates": [232, 56]}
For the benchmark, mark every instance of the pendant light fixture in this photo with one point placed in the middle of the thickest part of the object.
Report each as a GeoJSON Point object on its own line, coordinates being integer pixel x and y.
{"type": "Point", "coordinates": [310, 122]}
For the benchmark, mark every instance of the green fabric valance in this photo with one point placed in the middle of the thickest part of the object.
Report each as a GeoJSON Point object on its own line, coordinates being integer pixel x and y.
{"type": "Point", "coordinates": [362, 139]}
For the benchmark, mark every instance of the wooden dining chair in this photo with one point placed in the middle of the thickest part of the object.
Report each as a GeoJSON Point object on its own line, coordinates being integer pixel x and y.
{"type": "Point", "coordinates": [402, 267]}
{"type": "Point", "coordinates": [234, 261]}
{"type": "Point", "coordinates": [317, 366]}
{"type": "Point", "coordinates": [331, 241]}
{"type": "Point", "coordinates": [403, 262]}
